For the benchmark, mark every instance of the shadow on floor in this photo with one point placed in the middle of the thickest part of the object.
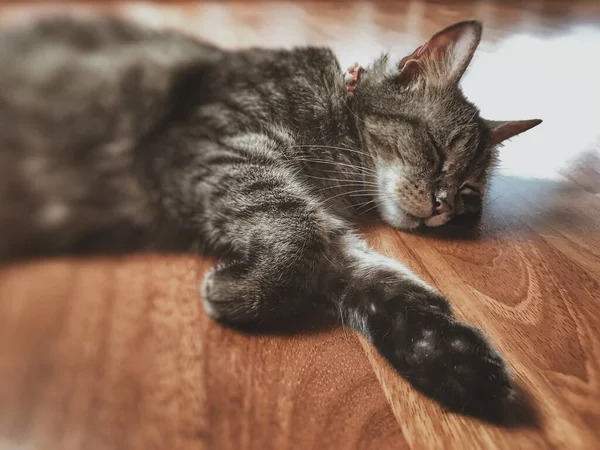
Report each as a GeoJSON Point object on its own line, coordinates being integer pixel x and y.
{"type": "Point", "coordinates": [523, 207]}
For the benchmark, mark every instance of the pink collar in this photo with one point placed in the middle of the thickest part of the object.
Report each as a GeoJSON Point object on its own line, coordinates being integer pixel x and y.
{"type": "Point", "coordinates": [352, 75]}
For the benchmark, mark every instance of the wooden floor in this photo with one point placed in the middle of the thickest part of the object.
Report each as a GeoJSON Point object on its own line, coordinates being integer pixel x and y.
{"type": "Point", "coordinates": [117, 353]}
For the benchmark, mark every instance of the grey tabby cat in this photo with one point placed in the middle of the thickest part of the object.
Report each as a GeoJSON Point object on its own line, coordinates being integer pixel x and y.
{"type": "Point", "coordinates": [114, 137]}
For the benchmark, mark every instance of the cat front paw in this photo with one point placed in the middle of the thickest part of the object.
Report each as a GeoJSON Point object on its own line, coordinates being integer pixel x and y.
{"type": "Point", "coordinates": [455, 364]}
{"type": "Point", "coordinates": [412, 325]}
{"type": "Point", "coordinates": [225, 296]}
{"type": "Point", "coordinates": [440, 355]}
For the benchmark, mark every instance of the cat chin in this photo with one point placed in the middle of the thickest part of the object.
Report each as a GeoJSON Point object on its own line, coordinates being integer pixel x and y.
{"type": "Point", "coordinates": [396, 217]}
{"type": "Point", "coordinates": [400, 219]}
{"type": "Point", "coordinates": [437, 221]}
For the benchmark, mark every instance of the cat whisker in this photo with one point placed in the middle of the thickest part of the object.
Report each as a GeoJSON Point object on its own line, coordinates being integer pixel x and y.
{"type": "Point", "coordinates": [336, 147]}
{"type": "Point", "coordinates": [341, 180]}
{"type": "Point", "coordinates": [338, 172]}
{"type": "Point", "coordinates": [353, 113]}
{"type": "Point", "coordinates": [359, 152]}
{"type": "Point", "coordinates": [357, 171]}
{"type": "Point", "coordinates": [369, 191]}
{"type": "Point", "coordinates": [333, 186]}
{"type": "Point", "coordinates": [373, 202]}
{"type": "Point", "coordinates": [370, 209]}
{"type": "Point", "coordinates": [345, 193]}
{"type": "Point", "coordinates": [359, 175]}
{"type": "Point", "coordinates": [366, 188]}
{"type": "Point", "coordinates": [344, 186]}
{"type": "Point", "coordinates": [335, 163]}
{"type": "Point", "coordinates": [360, 206]}
{"type": "Point", "coordinates": [333, 147]}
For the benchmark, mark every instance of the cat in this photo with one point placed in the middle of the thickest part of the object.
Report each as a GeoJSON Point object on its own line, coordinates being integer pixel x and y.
{"type": "Point", "coordinates": [114, 137]}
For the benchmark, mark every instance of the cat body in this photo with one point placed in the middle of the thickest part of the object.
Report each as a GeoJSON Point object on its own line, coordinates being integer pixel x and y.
{"type": "Point", "coordinates": [116, 138]}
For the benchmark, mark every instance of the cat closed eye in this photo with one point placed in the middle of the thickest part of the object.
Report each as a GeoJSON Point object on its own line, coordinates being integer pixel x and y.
{"type": "Point", "coordinates": [469, 189]}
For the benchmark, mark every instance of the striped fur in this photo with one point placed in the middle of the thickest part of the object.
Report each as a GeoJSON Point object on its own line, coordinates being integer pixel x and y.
{"type": "Point", "coordinates": [118, 138]}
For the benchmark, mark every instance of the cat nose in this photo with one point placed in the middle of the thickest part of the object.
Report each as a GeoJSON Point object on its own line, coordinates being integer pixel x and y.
{"type": "Point", "coordinates": [440, 207]}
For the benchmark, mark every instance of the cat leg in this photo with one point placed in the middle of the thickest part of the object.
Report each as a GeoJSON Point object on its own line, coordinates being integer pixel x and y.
{"type": "Point", "coordinates": [412, 325]}
{"type": "Point", "coordinates": [280, 250]}
{"type": "Point", "coordinates": [252, 212]}
{"type": "Point", "coordinates": [281, 237]}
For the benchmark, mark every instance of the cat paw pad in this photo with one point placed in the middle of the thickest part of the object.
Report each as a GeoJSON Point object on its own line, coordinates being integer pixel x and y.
{"type": "Point", "coordinates": [440, 355]}
{"type": "Point", "coordinates": [456, 365]}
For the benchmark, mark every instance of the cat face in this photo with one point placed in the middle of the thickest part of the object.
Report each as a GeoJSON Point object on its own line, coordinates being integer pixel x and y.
{"type": "Point", "coordinates": [431, 149]}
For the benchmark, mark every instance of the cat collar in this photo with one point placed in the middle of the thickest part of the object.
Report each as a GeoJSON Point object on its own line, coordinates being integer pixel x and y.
{"type": "Point", "coordinates": [351, 76]}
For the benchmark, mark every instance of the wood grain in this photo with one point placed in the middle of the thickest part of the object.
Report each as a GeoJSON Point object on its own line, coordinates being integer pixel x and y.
{"type": "Point", "coordinates": [116, 353]}
{"type": "Point", "coordinates": [107, 354]}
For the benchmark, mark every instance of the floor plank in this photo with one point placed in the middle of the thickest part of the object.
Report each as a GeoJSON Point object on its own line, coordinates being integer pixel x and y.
{"type": "Point", "coordinates": [107, 354]}
{"type": "Point", "coordinates": [537, 306]}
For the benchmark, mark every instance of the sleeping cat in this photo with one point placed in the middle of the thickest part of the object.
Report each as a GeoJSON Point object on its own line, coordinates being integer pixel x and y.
{"type": "Point", "coordinates": [114, 137]}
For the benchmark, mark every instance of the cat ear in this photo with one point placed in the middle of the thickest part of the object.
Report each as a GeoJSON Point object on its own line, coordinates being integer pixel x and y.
{"type": "Point", "coordinates": [503, 130]}
{"type": "Point", "coordinates": [445, 57]}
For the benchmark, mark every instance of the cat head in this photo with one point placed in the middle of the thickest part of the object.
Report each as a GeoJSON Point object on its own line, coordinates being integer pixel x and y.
{"type": "Point", "coordinates": [431, 149]}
